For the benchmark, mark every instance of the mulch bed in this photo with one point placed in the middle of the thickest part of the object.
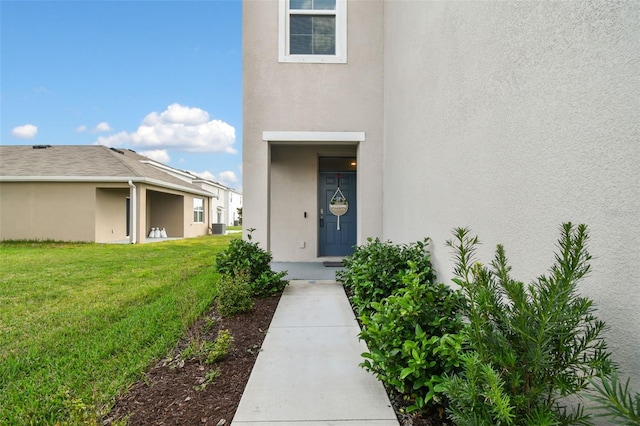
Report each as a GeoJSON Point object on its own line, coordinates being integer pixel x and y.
{"type": "Point", "coordinates": [171, 394]}
{"type": "Point", "coordinates": [172, 391]}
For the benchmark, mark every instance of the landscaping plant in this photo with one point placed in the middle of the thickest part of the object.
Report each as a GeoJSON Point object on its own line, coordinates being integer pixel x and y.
{"type": "Point", "coordinates": [375, 269]}
{"type": "Point", "coordinates": [234, 294]}
{"type": "Point", "coordinates": [615, 400]}
{"type": "Point", "coordinates": [218, 350]}
{"type": "Point", "coordinates": [246, 257]}
{"type": "Point", "coordinates": [531, 345]}
{"type": "Point", "coordinates": [412, 340]}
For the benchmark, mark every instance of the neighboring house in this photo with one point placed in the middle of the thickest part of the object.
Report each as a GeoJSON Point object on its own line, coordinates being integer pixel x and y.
{"type": "Point", "coordinates": [508, 117]}
{"type": "Point", "coordinates": [94, 193]}
{"type": "Point", "coordinates": [234, 203]}
{"type": "Point", "coordinates": [225, 205]}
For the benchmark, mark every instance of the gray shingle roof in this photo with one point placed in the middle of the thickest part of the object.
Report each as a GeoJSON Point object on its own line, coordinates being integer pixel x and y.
{"type": "Point", "coordinates": [76, 162]}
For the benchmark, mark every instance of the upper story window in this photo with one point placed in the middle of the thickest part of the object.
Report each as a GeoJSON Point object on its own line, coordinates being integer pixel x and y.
{"type": "Point", "coordinates": [313, 31]}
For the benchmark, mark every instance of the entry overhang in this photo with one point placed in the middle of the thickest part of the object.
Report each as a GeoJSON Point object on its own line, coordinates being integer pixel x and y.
{"type": "Point", "coordinates": [320, 137]}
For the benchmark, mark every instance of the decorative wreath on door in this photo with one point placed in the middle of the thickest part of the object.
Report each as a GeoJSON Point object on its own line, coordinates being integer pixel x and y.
{"type": "Point", "coordinates": [338, 206]}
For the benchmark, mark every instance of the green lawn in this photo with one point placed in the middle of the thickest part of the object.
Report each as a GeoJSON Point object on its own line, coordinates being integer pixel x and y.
{"type": "Point", "coordinates": [80, 322]}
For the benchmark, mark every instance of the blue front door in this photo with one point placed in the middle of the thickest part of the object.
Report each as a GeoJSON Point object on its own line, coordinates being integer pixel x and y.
{"type": "Point", "coordinates": [334, 241]}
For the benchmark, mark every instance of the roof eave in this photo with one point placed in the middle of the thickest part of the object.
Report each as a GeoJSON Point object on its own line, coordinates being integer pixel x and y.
{"type": "Point", "coordinates": [105, 179]}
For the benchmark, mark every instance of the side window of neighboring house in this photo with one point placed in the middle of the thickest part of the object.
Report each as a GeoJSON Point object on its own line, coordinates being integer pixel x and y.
{"type": "Point", "coordinates": [313, 31]}
{"type": "Point", "coordinates": [198, 210]}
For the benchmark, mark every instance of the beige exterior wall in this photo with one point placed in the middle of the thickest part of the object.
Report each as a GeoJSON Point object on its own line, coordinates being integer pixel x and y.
{"type": "Point", "coordinates": [294, 192]}
{"type": "Point", "coordinates": [94, 212]}
{"type": "Point", "coordinates": [40, 211]}
{"type": "Point", "coordinates": [309, 97]}
{"type": "Point", "coordinates": [172, 210]}
{"type": "Point", "coordinates": [111, 211]}
{"type": "Point", "coordinates": [192, 229]}
{"type": "Point", "coordinates": [510, 118]}
{"type": "Point", "coordinates": [141, 218]}
{"type": "Point", "coordinates": [167, 211]}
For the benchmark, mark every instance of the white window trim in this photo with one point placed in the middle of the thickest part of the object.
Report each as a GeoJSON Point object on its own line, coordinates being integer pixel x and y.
{"type": "Point", "coordinates": [198, 210]}
{"type": "Point", "coordinates": [341, 37]}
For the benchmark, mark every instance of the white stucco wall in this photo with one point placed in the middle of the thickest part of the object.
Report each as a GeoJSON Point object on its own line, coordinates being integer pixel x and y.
{"type": "Point", "coordinates": [311, 97]}
{"type": "Point", "coordinates": [235, 201]}
{"type": "Point", "coordinates": [511, 118]}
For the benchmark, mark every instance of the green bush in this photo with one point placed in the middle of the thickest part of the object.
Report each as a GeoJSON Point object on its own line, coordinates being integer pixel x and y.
{"type": "Point", "coordinates": [375, 270]}
{"type": "Point", "coordinates": [245, 257]}
{"type": "Point", "coordinates": [412, 340]}
{"type": "Point", "coordinates": [480, 398]}
{"type": "Point", "coordinates": [269, 283]}
{"type": "Point", "coordinates": [218, 351]}
{"type": "Point", "coordinates": [206, 351]}
{"type": "Point", "coordinates": [615, 400]}
{"type": "Point", "coordinates": [531, 345]}
{"type": "Point", "coordinates": [234, 295]}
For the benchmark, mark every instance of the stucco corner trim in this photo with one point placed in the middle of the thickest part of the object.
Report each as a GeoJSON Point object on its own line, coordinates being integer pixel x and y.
{"type": "Point", "coordinates": [292, 136]}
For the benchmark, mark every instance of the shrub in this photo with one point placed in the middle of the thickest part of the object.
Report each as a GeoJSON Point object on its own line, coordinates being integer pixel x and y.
{"type": "Point", "coordinates": [412, 340]}
{"type": "Point", "coordinates": [269, 283]}
{"type": "Point", "coordinates": [246, 257]}
{"type": "Point", "coordinates": [234, 295]}
{"type": "Point", "coordinates": [375, 270]}
{"type": "Point", "coordinates": [480, 398]}
{"type": "Point", "coordinates": [206, 351]}
{"type": "Point", "coordinates": [531, 345]}
{"type": "Point", "coordinates": [218, 351]}
{"type": "Point", "coordinates": [615, 400]}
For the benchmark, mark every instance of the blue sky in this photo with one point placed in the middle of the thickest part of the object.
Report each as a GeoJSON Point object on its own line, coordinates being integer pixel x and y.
{"type": "Point", "coordinates": [163, 78]}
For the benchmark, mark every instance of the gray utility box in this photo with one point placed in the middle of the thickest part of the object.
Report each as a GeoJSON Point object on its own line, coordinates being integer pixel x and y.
{"type": "Point", "coordinates": [219, 228]}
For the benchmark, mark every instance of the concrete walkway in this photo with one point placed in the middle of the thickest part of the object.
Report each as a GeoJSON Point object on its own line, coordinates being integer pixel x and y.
{"type": "Point", "coordinates": [306, 270]}
{"type": "Point", "coordinates": [307, 372]}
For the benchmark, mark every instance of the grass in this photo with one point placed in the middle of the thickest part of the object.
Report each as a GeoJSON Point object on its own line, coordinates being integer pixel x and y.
{"type": "Point", "coordinates": [234, 228]}
{"type": "Point", "coordinates": [79, 323]}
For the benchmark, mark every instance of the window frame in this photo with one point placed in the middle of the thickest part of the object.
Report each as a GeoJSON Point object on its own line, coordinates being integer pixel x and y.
{"type": "Point", "coordinates": [198, 211]}
{"type": "Point", "coordinates": [284, 40]}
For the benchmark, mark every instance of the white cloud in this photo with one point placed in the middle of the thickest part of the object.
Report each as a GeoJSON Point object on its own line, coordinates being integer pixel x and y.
{"type": "Point", "coordinates": [179, 128]}
{"type": "Point", "coordinates": [102, 127]}
{"type": "Point", "coordinates": [206, 175]}
{"type": "Point", "coordinates": [28, 131]}
{"type": "Point", "coordinates": [227, 178]}
{"type": "Point", "coordinates": [159, 155]}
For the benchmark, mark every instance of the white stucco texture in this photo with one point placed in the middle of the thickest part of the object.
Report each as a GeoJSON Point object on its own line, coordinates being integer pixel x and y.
{"type": "Point", "coordinates": [511, 118]}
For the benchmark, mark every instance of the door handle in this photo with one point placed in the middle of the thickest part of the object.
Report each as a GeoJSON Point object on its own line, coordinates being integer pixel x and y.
{"type": "Point", "coordinates": [321, 223]}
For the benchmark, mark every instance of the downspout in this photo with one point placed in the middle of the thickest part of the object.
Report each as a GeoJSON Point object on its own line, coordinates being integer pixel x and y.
{"type": "Point", "coordinates": [134, 212]}
{"type": "Point", "coordinates": [210, 218]}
